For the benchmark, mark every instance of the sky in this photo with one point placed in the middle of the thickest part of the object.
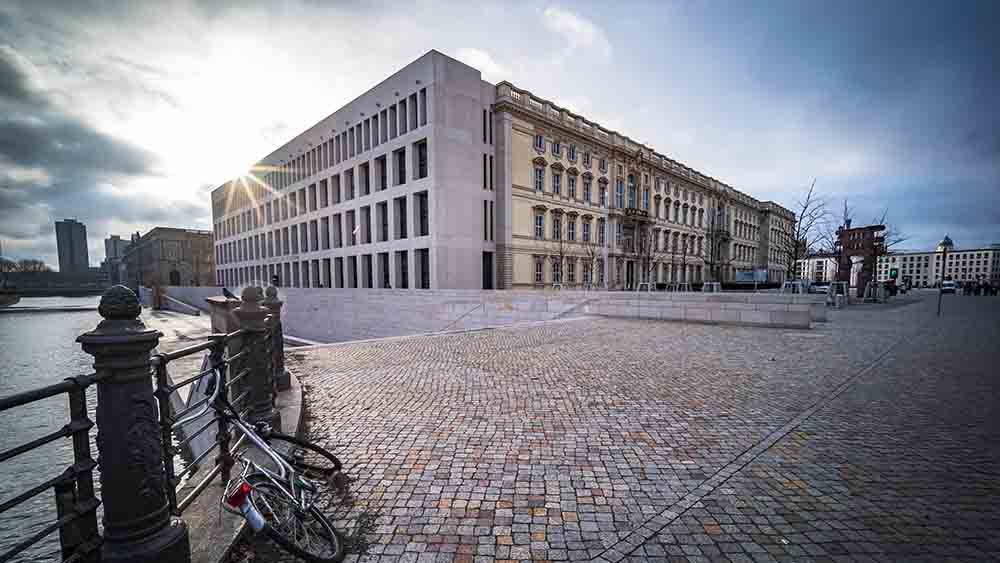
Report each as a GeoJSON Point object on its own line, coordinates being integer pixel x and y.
{"type": "Point", "coordinates": [125, 115]}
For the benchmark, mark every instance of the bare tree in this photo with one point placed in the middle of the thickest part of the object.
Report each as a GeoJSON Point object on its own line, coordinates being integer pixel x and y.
{"type": "Point", "coordinates": [716, 237]}
{"type": "Point", "coordinates": [592, 254]}
{"type": "Point", "coordinates": [646, 250]}
{"type": "Point", "coordinates": [32, 265]}
{"type": "Point", "coordinates": [810, 228]}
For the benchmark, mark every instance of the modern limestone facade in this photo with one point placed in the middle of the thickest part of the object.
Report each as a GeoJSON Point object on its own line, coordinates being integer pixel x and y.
{"type": "Point", "coordinates": [928, 268]}
{"type": "Point", "coordinates": [437, 179]}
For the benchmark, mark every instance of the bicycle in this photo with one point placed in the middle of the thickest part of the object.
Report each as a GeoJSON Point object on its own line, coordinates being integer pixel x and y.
{"type": "Point", "coordinates": [279, 503]}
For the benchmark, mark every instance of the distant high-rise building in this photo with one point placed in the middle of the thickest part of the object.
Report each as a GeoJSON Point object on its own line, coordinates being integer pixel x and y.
{"type": "Point", "coordinates": [71, 239]}
{"type": "Point", "coordinates": [115, 247]}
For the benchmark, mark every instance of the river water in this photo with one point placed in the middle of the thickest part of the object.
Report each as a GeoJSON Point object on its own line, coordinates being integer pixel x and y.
{"type": "Point", "coordinates": [37, 349]}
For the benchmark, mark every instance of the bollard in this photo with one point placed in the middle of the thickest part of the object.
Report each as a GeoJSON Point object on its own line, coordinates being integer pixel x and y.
{"type": "Point", "coordinates": [253, 319]}
{"type": "Point", "coordinates": [138, 526]}
{"type": "Point", "coordinates": [281, 377]}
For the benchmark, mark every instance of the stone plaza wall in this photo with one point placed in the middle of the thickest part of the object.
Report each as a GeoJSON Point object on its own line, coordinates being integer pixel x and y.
{"type": "Point", "coordinates": [337, 315]}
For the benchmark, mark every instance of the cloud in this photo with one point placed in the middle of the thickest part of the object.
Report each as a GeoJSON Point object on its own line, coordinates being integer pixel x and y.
{"type": "Point", "coordinates": [492, 70]}
{"type": "Point", "coordinates": [55, 165]}
{"type": "Point", "coordinates": [579, 32]}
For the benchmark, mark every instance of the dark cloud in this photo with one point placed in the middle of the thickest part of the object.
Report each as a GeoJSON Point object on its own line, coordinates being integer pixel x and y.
{"type": "Point", "coordinates": [57, 165]}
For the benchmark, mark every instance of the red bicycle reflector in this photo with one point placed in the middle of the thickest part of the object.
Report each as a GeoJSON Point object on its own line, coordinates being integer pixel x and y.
{"type": "Point", "coordinates": [239, 496]}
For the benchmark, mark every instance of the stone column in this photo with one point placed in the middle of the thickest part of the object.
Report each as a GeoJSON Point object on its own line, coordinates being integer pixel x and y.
{"type": "Point", "coordinates": [253, 319]}
{"type": "Point", "coordinates": [138, 526]}
{"type": "Point", "coordinates": [273, 304]}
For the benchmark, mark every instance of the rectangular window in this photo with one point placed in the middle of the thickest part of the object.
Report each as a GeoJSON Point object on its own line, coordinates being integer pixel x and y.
{"type": "Point", "coordinates": [402, 117]}
{"type": "Point", "coordinates": [385, 125]}
{"type": "Point", "coordinates": [350, 142]}
{"type": "Point", "coordinates": [399, 160]}
{"type": "Point", "coordinates": [423, 214]}
{"type": "Point", "coordinates": [491, 221]}
{"type": "Point", "coordinates": [335, 188]}
{"type": "Point", "coordinates": [486, 220]}
{"type": "Point", "coordinates": [586, 231]}
{"type": "Point", "coordinates": [392, 122]}
{"type": "Point", "coordinates": [364, 180]}
{"type": "Point", "coordinates": [491, 172]}
{"type": "Point", "coordinates": [400, 227]}
{"type": "Point", "coordinates": [586, 159]}
{"type": "Point", "coordinates": [586, 190]}
{"type": "Point", "coordinates": [382, 219]}
{"type": "Point", "coordinates": [324, 234]}
{"type": "Point", "coordinates": [381, 173]}
{"type": "Point", "coordinates": [557, 183]}
{"type": "Point", "coordinates": [571, 186]}
{"type": "Point", "coordinates": [402, 269]}
{"type": "Point", "coordinates": [645, 199]}
{"type": "Point", "coordinates": [375, 130]}
{"type": "Point", "coordinates": [572, 153]}
{"type": "Point", "coordinates": [368, 134]}
{"type": "Point", "coordinates": [420, 159]}
{"type": "Point", "coordinates": [539, 271]}
{"type": "Point", "coordinates": [485, 175]}
{"type": "Point", "coordinates": [485, 127]}
{"type": "Point", "coordinates": [539, 225]}
{"type": "Point", "coordinates": [539, 179]}
{"type": "Point", "coordinates": [423, 106]}
{"type": "Point", "coordinates": [557, 148]}
{"type": "Point", "coordinates": [604, 165]}
{"type": "Point", "coordinates": [571, 230]}
{"type": "Point", "coordinates": [540, 142]}
{"type": "Point", "coordinates": [423, 257]}
{"type": "Point", "coordinates": [324, 196]}
{"type": "Point", "coordinates": [601, 232]}
{"type": "Point", "coordinates": [349, 184]}
{"type": "Point", "coordinates": [556, 227]}
{"type": "Point", "coordinates": [312, 197]}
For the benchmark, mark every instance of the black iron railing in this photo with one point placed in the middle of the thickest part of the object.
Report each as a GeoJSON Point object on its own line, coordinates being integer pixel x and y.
{"type": "Point", "coordinates": [76, 503]}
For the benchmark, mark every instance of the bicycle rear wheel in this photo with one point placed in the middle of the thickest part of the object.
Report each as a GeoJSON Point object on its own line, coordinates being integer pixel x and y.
{"type": "Point", "coordinates": [312, 461]}
{"type": "Point", "coordinates": [304, 533]}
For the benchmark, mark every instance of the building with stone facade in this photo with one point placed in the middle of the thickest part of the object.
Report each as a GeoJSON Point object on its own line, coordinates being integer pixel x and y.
{"type": "Point", "coordinates": [435, 178]}
{"type": "Point", "coordinates": [169, 256]}
{"type": "Point", "coordinates": [818, 267]}
{"type": "Point", "coordinates": [928, 268]}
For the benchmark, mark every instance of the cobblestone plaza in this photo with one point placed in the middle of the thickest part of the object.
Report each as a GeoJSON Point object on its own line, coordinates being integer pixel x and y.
{"type": "Point", "coordinates": [869, 438]}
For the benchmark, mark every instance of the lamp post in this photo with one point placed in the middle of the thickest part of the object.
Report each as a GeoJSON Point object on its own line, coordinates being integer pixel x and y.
{"type": "Point", "coordinates": [944, 265]}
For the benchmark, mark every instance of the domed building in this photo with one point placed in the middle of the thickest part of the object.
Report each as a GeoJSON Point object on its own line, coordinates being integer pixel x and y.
{"type": "Point", "coordinates": [929, 268]}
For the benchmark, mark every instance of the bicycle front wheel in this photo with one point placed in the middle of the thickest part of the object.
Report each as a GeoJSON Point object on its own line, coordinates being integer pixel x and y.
{"type": "Point", "coordinates": [307, 534]}
{"type": "Point", "coordinates": [312, 461]}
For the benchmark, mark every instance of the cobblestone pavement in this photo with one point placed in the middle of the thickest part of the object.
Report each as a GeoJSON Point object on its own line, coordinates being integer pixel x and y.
{"type": "Point", "coordinates": [873, 437]}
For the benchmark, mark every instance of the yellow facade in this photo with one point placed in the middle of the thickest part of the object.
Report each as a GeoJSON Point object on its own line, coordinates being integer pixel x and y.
{"type": "Point", "coordinates": [658, 214]}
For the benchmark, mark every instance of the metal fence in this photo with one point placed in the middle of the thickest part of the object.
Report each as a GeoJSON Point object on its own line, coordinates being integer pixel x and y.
{"type": "Point", "coordinates": [76, 503]}
{"type": "Point", "coordinates": [139, 435]}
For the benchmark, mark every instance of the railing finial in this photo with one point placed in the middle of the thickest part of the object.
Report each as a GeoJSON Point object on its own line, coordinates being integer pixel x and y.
{"type": "Point", "coordinates": [119, 303]}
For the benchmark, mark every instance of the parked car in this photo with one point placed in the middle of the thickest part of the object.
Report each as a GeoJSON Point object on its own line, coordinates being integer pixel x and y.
{"type": "Point", "coordinates": [948, 287]}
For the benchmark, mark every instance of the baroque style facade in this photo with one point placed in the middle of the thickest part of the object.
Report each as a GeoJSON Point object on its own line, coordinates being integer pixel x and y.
{"type": "Point", "coordinates": [437, 179]}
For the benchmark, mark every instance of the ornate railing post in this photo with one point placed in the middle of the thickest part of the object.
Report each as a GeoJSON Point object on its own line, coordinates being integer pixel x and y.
{"type": "Point", "coordinates": [253, 320]}
{"type": "Point", "coordinates": [138, 526]}
{"type": "Point", "coordinates": [281, 377]}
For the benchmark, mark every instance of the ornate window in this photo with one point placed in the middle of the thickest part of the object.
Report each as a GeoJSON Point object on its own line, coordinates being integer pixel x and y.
{"type": "Point", "coordinates": [604, 165]}
{"type": "Point", "coordinates": [600, 271]}
{"type": "Point", "coordinates": [539, 269]}
{"type": "Point", "coordinates": [556, 227]}
{"type": "Point", "coordinates": [556, 183]}
{"type": "Point", "coordinates": [645, 199]}
{"type": "Point", "coordinates": [539, 179]}
{"type": "Point", "coordinates": [556, 271]}
{"type": "Point", "coordinates": [604, 195]}
{"type": "Point", "coordinates": [601, 233]}
{"type": "Point", "coordinates": [556, 148]}
{"type": "Point", "coordinates": [571, 271]}
{"type": "Point", "coordinates": [631, 191]}
{"type": "Point", "coordinates": [571, 230]}
{"type": "Point", "coordinates": [572, 153]}
{"type": "Point", "coordinates": [539, 225]}
{"type": "Point", "coordinates": [586, 190]}
{"type": "Point", "coordinates": [586, 159]}
{"type": "Point", "coordinates": [586, 230]}
{"type": "Point", "coordinates": [619, 194]}
{"type": "Point", "coordinates": [539, 142]}
{"type": "Point", "coordinates": [571, 185]}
